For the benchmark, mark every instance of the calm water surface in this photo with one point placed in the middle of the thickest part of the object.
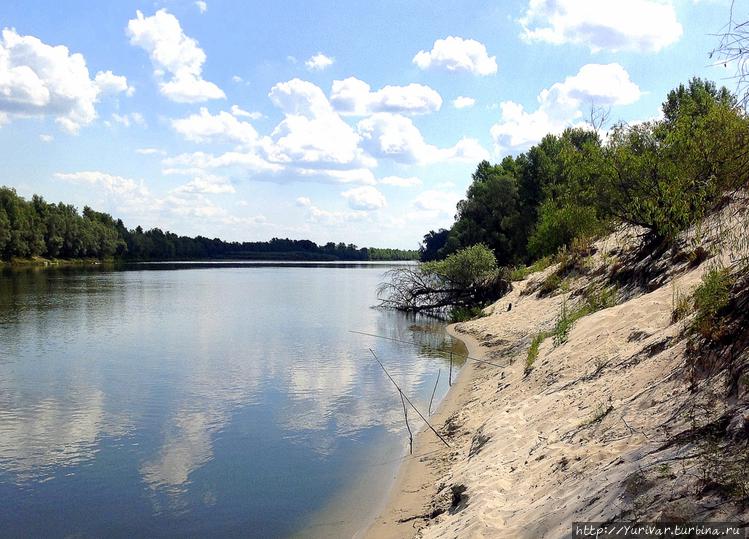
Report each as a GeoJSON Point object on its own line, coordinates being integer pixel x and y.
{"type": "Point", "coordinates": [203, 400]}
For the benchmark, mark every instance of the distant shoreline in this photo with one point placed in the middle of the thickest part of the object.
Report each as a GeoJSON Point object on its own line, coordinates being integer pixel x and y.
{"type": "Point", "coordinates": [41, 262]}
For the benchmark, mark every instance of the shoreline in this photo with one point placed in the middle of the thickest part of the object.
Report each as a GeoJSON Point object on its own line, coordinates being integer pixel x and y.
{"type": "Point", "coordinates": [40, 262]}
{"type": "Point", "coordinates": [413, 487]}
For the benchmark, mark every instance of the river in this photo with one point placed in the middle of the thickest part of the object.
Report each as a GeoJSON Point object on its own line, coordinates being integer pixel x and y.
{"type": "Point", "coordinates": [210, 400]}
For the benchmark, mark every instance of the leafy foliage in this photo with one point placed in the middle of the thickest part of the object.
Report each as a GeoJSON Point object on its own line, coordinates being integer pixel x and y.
{"type": "Point", "coordinates": [489, 214]}
{"type": "Point", "coordinates": [668, 174]}
{"type": "Point", "coordinates": [520, 273]}
{"type": "Point", "coordinates": [663, 175]}
{"type": "Point", "coordinates": [463, 314]}
{"type": "Point", "coordinates": [431, 248]}
{"type": "Point", "coordinates": [465, 279]}
{"type": "Point", "coordinates": [36, 228]}
{"type": "Point", "coordinates": [710, 297]}
{"type": "Point", "coordinates": [559, 225]}
{"type": "Point", "coordinates": [465, 268]}
{"type": "Point", "coordinates": [533, 350]}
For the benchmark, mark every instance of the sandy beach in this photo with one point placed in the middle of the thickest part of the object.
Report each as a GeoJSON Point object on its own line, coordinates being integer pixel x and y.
{"type": "Point", "coordinates": [598, 428]}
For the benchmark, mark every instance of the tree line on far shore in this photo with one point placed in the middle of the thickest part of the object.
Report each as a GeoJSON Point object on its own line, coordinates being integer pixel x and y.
{"type": "Point", "coordinates": [36, 228]}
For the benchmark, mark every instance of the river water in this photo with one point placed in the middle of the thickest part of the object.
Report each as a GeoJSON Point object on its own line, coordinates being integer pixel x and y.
{"type": "Point", "coordinates": [206, 400]}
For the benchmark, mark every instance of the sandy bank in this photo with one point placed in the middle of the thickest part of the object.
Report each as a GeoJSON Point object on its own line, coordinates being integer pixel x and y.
{"type": "Point", "coordinates": [608, 423]}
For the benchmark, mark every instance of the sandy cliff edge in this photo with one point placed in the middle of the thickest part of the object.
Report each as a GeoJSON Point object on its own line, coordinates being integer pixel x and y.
{"type": "Point", "coordinates": [608, 424]}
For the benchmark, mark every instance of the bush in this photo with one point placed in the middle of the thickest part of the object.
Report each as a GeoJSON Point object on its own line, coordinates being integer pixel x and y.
{"type": "Point", "coordinates": [465, 268]}
{"type": "Point", "coordinates": [667, 175]}
{"type": "Point", "coordinates": [563, 326]}
{"type": "Point", "coordinates": [710, 298]}
{"type": "Point", "coordinates": [594, 300]}
{"type": "Point", "coordinates": [550, 285]}
{"type": "Point", "coordinates": [558, 226]}
{"type": "Point", "coordinates": [463, 314]}
{"type": "Point", "coordinates": [681, 305]}
{"type": "Point", "coordinates": [597, 299]}
{"type": "Point", "coordinates": [465, 279]}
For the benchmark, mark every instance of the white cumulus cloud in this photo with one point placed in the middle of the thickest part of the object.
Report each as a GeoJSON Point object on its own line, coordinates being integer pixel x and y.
{"type": "Point", "coordinates": [197, 163]}
{"type": "Point", "coordinates": [354, 96]}
{"type": "Point", "coordinates": [398, 181]}
{"type": "Point", "coordinates": [150, 151]}
{"type": "Point", "coordinates": [457, 54]}
{"type": "Point", "coordinates": [312, 143]}
{"type": "Point", "coordinates": [207, 184]}
{"type": "Point", "coordinates": [135, 118]}
{"type": "Point", "coordinates": [202, 6]}
{"type": "Point", "coordinates": [177, 58]}
{"type": "Point", "coordinates": [186, 202]}
{"type": "Point", "coordinates": [109, 83]}
{"type": "Point", "coordinates": [236, 111]}
{"type": "Point", "coordinates": [613, 25]}
{"type": "Point", "coordinates": [325, 217]}
{"type": "Point", "coordinates": [207, 127]}
{"type": "Point", "coordinates": [364, 198]}
{"type": "Point", "coordinates": [561, 105]}
{"type": "Point", "coordinates": [318, 62]}
{"type": "Point", "coordinates": [37, 79]}
{"type": "Point", "coordinates": [433, 204]}
{"type": "Point", "coordinates": [311, 131]}
{"type": "Point", "coordinates": [463, 102]}
{"type": "Point", "coordinates": [396, 137]}
{"type": "Point", "coordinates": [114, 184]}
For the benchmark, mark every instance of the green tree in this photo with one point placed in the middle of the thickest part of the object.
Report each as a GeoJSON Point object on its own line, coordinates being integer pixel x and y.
{"type": "Point", "coordinates": [489, 215]}
{"type": "Point", "coordinates": [695, 100]}
{"type": "Point", "coordinates": [4, 232]}
{"type": "Point", "coordinates": [432, 245]}
{"type": "Point", "coordinates": [667, 175]}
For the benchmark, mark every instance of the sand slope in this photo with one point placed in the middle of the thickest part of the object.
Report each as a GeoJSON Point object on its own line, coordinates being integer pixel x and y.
{"type": "Point", "coordinates": [587, 434]}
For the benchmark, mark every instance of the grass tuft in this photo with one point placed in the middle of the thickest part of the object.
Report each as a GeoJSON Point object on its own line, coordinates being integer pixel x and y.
{"type": "Point", "coordinates": [681, 304]}
{"type": "Point", "coordinates": [520, 273]}
{"type": "Point", "coordinates": [463, 314]}
{"type": "Point", "coordinates": [533, 350]}
{"type": "Point", "coordinates": [710, 298]}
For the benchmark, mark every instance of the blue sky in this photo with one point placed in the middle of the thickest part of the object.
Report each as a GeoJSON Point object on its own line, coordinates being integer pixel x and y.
{"type": "Point", "coordinates": [334, 121]}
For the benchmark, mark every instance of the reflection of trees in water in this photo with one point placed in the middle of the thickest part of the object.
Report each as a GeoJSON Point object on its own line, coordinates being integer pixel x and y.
{"type": "Point", "coordinates": [423, 334]}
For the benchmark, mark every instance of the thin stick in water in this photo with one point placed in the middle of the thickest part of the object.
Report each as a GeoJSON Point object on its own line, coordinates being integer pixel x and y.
{"type": "Point", "coordinates": [410, 434]}
{"type": "Point", "coordinates": [434, 391]}
{"type": "Point", "coordinates": [409, 401]}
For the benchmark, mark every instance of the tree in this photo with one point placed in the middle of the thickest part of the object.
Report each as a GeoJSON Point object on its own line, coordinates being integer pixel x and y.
{"type": "Point", "coordinates": [668, 175]}
{"type": "Point", "coordinates": [433, 244]}
{"type": "Point", "coordinates": [467, 278]}
{"type": "Point", "coordinates": [489, 215]}
{"type": "Point", "coordinates": [695, 100]}
{"type": "Point", "coordinates": [4, 232]}
{"type": "Point", "coordinates": [559, 225]}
